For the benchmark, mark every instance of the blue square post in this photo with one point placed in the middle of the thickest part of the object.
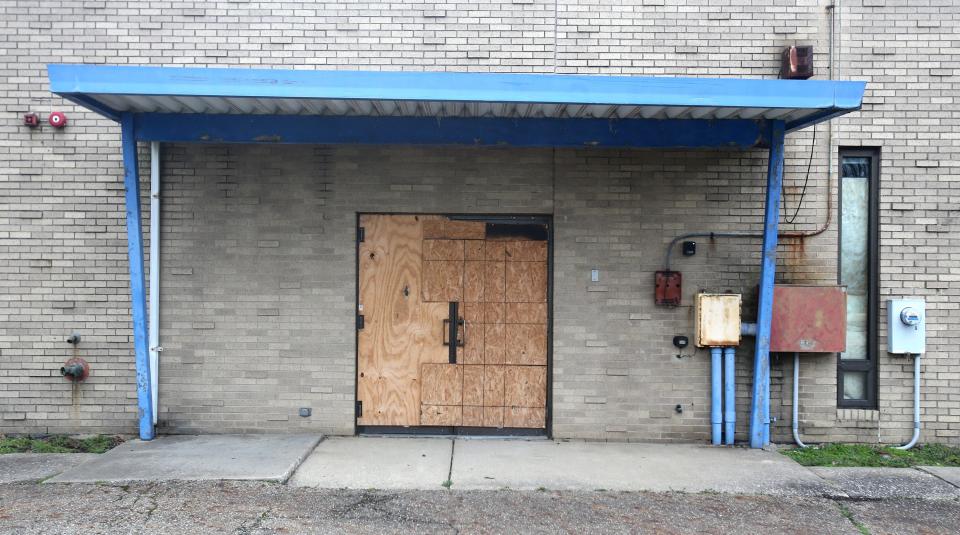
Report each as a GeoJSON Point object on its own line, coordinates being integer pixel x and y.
{"type": "Point", "coordinates": [138, 294]}
{"type": "Point", "coordinates": [760, 406]}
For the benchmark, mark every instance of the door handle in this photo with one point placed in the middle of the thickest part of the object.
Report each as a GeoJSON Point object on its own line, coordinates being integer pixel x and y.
{"type": "Point", "coordinates": [451, 331]}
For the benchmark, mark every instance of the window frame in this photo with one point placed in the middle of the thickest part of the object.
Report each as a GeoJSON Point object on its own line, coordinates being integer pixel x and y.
{"type": "Point", "coordinates": [868, 365]}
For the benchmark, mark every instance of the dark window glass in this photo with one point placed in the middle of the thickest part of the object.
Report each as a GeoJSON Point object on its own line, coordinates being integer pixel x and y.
{"type": "Point", "coordinates": [856, 368]}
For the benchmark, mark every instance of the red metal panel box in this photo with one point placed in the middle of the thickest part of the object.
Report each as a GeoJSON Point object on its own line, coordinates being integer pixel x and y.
{"type": "Point", "coordinates": [809, 319]}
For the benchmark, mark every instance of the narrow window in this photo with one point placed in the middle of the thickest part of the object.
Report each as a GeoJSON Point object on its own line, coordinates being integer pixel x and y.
{"type": "Point", "coordinates": [857, 366]}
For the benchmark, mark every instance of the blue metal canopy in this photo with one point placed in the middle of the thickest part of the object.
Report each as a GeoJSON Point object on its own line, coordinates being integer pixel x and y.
{"type": "Point", "coordinates": [531, 110]}
{"type": "Point", "coordinates": [285, 106]}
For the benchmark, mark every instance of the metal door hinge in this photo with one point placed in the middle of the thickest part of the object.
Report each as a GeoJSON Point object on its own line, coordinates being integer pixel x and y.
{"type": "Point", "coordinates": [359, 409]}
{"type": "Point", "coordinates": [361, 234]}
{"type": "Point", "coordinates": [359, 321]}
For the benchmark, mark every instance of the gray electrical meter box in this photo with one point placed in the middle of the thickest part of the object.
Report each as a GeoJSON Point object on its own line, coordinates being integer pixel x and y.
{"type": "Point", "coordinates": [906, 326]}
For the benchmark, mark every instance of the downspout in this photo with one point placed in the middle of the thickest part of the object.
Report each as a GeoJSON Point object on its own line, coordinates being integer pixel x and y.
{"type": "Point", "coordinates": [155, 275]}
{"type": "Point", "coordinates": [916, 405]}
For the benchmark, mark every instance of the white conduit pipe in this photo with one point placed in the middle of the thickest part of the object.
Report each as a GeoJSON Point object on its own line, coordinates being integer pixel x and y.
{"type": "Point", "coordinates": [796, 401]}
{"type": "Point", "coordinates": [916, 405]}
{"type": "Point", "coordinates": [154, 316]}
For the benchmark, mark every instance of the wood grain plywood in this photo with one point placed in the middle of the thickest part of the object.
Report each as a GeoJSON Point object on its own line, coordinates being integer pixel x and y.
{"type": "Point", "coordinates": [442, 281]}
{"type": "Point", "coordinates": [527, 313]}
{"type": "Point", "coordinates": [473, 385]}
{"type": "Point", "coordinates": [473, 275]}
{"type": "Point", "coordinates": [441, 227]}
{"type": "Point", "coordinates": [472, 350]}
{"type": "Point", "coordinates": [525, 386]}
{"type": "Point", "coordinates": [441, 384]}
{"type": "Point", "coordinates": [472, 416]}
{"type": "Point", "coordinates": [441, 415]}
{"type": "Point", "coordinates": [495, 251]}
{"type": "Point", "coordinates": [474, 250]}
{"type": "Point", "coordinates": [493, 417]}
{"type": "Point", "coordinates": [525, 417]}
{"type": "Point", "coordinates": [494, 313]}
{"type": "Point", "coordinates": [494, 281]}
{"type": "Point", "coordinates": [526, 282]}
{"type": "Point", "coordinates": [526, 251]}
{"type": "Point", "coordinates": [525, 343]}
{"type": "Point", "coordinates": [397, 334]}
{"type": "Point", "coordinates": [494, 343]}
{"type": "Point", "coordinates": [493, 386]}
{"type": "Point", "coordinates": [443, 249]}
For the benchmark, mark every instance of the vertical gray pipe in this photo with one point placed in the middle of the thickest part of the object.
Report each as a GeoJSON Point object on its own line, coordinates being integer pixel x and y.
{"type": "Point", "coordinates": [916, 405]}
{"type": "Point", "coordinates": [796, 401]}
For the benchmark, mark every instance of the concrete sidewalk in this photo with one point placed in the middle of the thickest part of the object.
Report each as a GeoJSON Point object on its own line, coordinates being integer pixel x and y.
{"type": "Point", "coordinates": [429, 463]}
{"type": "Point", "coordinates": [196, 458]}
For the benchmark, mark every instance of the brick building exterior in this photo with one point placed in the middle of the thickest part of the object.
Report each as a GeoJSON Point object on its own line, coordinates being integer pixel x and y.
{"type": "Point", "coordinates": [258, 261]}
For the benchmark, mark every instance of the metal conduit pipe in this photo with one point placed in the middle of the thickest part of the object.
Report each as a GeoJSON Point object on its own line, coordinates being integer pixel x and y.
{"type": "Point", "coordinates": [716, 416]}
{"type": "Point", "coordinates": [153, 318]}
{"type": "Point", "coordinates": [729, 395]}
{"type": "Point", "coordinates": [796, 401]}
{"type": "Point", "coordinates": [916, 406]}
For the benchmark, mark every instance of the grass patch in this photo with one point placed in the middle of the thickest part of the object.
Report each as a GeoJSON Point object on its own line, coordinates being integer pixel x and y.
{"type": "Point", "coordinates": [58, 444]}
{"type": "Point", "coordinates": [867, 455]}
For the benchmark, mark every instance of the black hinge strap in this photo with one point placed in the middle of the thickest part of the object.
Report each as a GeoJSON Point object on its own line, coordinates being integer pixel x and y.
{"type": "Point", "coordinates": [359, 321]}
{"type": "Point", "coordinates": [361, 234]}
{"type": "Point", "coordinates": [359, 409]}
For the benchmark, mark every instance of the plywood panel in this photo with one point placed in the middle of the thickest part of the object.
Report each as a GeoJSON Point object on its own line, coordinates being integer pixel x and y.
{"type": "Point", "coordinates": [493, 282]}
{"type": "Point", "coordinates": [527, 313]}
{"type": "Point", "coordinates": [493, 417]}
{"type": "Point", "coordinates": [493, 386]}
{"type": "Point", "coordinates": [495, 250]}
{"type": "Point", "coordinates": [443, 249]}
{"type": "Point", "coordinates": [472, 350]}
{"type": "Point", "coordinates": [441, 384]}
{"type": "Point", "coordinates": [442, 281]}
{"type": "Point", "coordinates": [472, 416]}
{"type": "Point", "coordinates": [526, 282]}
{"type": "Point", "coordinates": [525, 343]}
{"type": "Point", "coordinates": [526, 251]}
{"type": "Point", "coordinates": [525, 386]}
{"type": "Point", "coordinates": [441, 227]}
{"type": "Point", "coordinates": [473, 313]}
{"type": "Point", "coordinates": [525, 417]}
{"type": "Point", "coordinates": [473, 276]}
{"type": "Point", "coordinates": [494, 348]}
{"type": "Point", "coordinates": [441, 415]}
{"type": "Point", "coordinates": [493, 313]}
{"type": "Point", "coordinates": [399, 332]}
{"type": "Point", "coordinates": [474, 250]}
{"type": "Point", "coordinates": [473, 385]}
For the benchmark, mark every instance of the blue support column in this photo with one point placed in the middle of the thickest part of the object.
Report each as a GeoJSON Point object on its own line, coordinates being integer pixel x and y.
{"type": "Point", "coordinates": [760, 405]}
{"type": "Point", "coordinates": [138, 294]}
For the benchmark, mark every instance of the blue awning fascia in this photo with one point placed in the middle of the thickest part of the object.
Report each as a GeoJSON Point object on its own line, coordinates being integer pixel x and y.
{"type": "Point", "coordinates": [491, 131]}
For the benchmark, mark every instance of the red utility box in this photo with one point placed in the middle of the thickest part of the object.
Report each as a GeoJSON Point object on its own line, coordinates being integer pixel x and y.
{"type": "Point", "coordinates": [809, 319]}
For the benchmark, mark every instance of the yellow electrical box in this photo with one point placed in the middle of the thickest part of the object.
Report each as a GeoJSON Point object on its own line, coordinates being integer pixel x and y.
{"type": "Point", "coordinates": [717, 320]}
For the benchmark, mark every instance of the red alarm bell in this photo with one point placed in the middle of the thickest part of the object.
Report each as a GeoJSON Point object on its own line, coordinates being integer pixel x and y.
{"type": "Point", "coordinates": [57, 119]}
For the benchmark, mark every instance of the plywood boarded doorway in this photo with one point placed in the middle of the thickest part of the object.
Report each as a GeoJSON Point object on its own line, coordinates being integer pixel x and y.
{"type": "Point", "coordinates": [455, 320]}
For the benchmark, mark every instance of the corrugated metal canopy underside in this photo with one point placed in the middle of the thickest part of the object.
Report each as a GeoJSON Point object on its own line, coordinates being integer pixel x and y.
{"type": "Point", "coordinates": [113, 90]}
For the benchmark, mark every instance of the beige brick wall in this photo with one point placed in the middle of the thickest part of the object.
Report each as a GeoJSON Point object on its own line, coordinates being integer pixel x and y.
{"type": "Point", "coordinates": [62, 238]}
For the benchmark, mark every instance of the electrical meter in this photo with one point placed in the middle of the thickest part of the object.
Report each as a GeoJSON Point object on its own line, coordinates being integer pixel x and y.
{"type": "Point", "coordinates": [906, 326]}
